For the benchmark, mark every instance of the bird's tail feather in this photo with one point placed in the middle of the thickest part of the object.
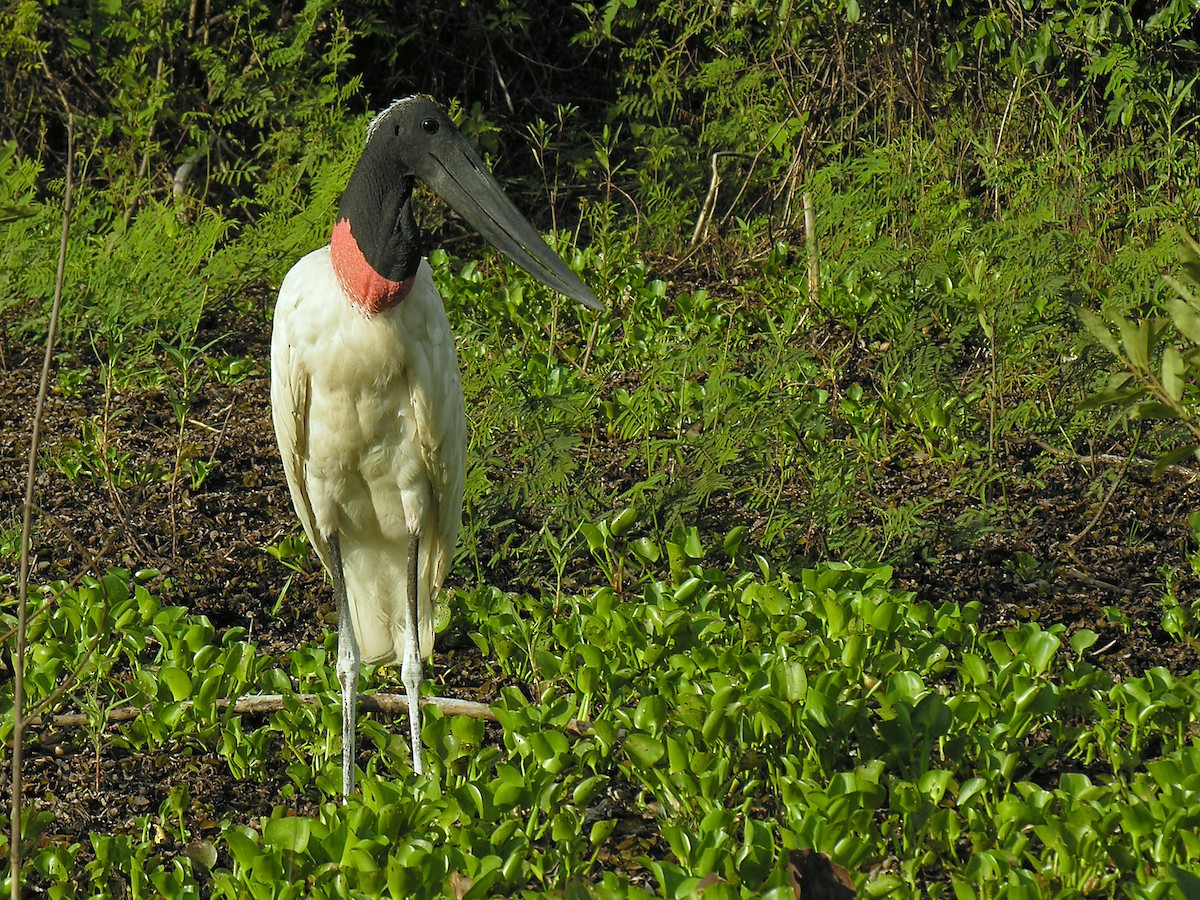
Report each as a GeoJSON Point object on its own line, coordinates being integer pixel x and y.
{"type": "Point", "coordinates": [377, 586]}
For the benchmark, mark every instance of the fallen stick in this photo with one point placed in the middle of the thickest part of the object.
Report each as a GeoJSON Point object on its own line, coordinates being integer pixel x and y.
{"type": "Point", "coordinates": [389, 704]}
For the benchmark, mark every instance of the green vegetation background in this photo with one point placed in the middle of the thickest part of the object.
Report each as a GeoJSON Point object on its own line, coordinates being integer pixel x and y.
{"type": "Point", "coordinates": [978, 173]}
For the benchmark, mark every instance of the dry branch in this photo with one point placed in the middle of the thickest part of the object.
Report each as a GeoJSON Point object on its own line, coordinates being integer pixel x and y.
{"type": "Point", "coordinates": [389, 704]}
{"type": "Point", "coordinates": [258, 704]}
{"type": "Point", "coordinates": [18, 655]}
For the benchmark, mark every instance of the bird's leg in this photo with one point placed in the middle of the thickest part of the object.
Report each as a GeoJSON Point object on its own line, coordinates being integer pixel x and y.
{"type": "Point", "coordinates": [347, 665]}
{"type": "Point", "coordinates": [410, 671]}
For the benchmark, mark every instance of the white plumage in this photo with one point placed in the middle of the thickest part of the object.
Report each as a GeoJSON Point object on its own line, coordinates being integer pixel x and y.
{"type": "Point", "coordinates": [366, 397]}
{"type": "Point", "coordinates": [369, 416]}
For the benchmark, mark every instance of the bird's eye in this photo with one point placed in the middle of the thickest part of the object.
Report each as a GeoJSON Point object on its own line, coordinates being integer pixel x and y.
{"type": "Point", "coordinates": [397, 131]}
{"type": "Point", "coordinates": [430, 126]}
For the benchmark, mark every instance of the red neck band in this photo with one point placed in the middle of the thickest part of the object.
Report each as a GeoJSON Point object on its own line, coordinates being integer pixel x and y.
{"type": "Point", "coordinates": [368, 290]}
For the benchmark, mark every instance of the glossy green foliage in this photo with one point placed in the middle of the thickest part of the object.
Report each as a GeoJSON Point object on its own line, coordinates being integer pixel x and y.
{"type": "Point", "coordinates": [738, 711]}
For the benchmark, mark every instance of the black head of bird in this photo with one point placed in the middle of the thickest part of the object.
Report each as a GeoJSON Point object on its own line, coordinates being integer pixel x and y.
{"type": "Point", "coordinates": [376, 245]}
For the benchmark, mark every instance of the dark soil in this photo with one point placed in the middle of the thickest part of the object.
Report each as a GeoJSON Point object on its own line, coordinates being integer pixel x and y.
{"type": "Point", "coordinates": [1066, 551]}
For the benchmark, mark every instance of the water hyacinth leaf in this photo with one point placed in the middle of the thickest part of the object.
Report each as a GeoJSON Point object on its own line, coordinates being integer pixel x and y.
{"type": "Point", "coordinates": [289, 832]}
{"type": "Point", "coordinates": [547, 664]}
{"type": "Point", "coordinates": [1188, 882]}
{"type": "Point", "coordinates": [243, 845]}
{"type": "Point", "coordinates": [587, 789]}
{"type": "Point", "coordinates": [970, 788]}
{"type": "Point", "coordinates": [768, 597]}
{"type": "Point", "coordinates": [733, 541]}
{"type": "Point", "coordinates": [692, 545]}
{"type": "Point", "coordinates": [1082, 639]}
{"type": "Point", "coordinates": [933, 784]}
{"type": "Point", "coordinates": [645, 549]}
{"type": "Point", "coordinates": [623, 521]}
{"type": "Point", "coordinates": [1040, 650]}
{"type": "Point", "coordinates": [688, 589]}
{"type": "Point", "coordinates": [907, 686]}
{"type": "Point", "coordinates": [650, 714]}
{"type": "Point", "coordinates": [565, 825]}
{"type": "Point", "coordinates": [597, 537]}
{"type": "Point", "coordinates": [177, 682]}
{"type": "Point", "coordinates": [795, 681]}
{"type": "Point", "coordinates": [601, 830]}
{"type": "Point", "coordinates": [836, 616]}
{"type": "Point", "coordinates": [717, 712]}
{"type": "Point", "coordinates": [644, 750]}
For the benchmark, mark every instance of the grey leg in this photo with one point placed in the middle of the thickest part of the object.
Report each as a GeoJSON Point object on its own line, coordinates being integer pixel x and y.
{"type": "Point", "coordinates": [348, 663]}
{"type": "Point", "coordinates": [410, 672]}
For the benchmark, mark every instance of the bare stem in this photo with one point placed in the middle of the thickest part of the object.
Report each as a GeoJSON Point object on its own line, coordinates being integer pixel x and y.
{"type": "Point", "coordinates": [26, 523]}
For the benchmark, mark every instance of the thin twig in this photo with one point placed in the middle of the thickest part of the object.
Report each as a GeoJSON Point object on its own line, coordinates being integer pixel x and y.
{"type": "Point", "coordinates": [1087, 579]}
{"type": "Point", "coordinates": [714, 184]}
{"type": "Point", "coordinates": [810, 243]}
{"type": "Point", "coordinates": [257, 704]}
{"type": "Point", "coordinates": [1107, 497]}
{"type": "Point", "coordinates": [251, 704]}
{"type": "Point", "coordinates": [1114, 459]}
{"type": "Point", "coordinates": [15, 783]}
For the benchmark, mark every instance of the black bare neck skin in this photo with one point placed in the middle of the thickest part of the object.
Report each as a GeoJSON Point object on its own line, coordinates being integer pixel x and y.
{"type": "Point", "coordinates": [377, 203]}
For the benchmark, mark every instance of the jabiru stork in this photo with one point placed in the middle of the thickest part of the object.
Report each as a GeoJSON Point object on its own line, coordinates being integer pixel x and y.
{"type": "Point", "coordinates": [367, 399]}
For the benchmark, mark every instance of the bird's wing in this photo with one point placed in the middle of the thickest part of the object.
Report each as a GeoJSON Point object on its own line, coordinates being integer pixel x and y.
{"type": "Point", "coordinates": [437, 400]}
{"type": "Point", "coordinates": [447, 470]}
{"type": "Point", "coordinates": [291, 393]}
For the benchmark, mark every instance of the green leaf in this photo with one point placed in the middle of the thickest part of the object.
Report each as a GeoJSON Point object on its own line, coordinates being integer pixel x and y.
{"type": "Point", "coordinates": [1152, 409]}
{"type": "Point", "coordinates": [644, 750]}
{"type": "Point", "coordinates": [1136, 341]}
{"type": "Point", "coordinates": [1083, 639]}
{"type": "Point", "coordinates": [1172, 372]}
{"type": "Point", "coordinates": [290, 832]}
{"type": "Point", "coordinates": [1039, 650]}
{"type": "Point", "coordinates": [969, 789]}
{"type": "Point", "coordinates": [177, 682]}
{"type": "Point", "coordinates": [795, 681]}
{"type": "Point", "coordinates": [1187, 882]}
{"type": "Point", "coordinates": [1188, 453]}
{"type": "Point", "coordinates": [1185, 312]}
{"type": "Point", "coordinates": [646, 549]}
{"type": "Point", "coordinates": [733, 541]}
{"type": "Point", "coordinates": [1122, 398]}
{"type": "Point", "coordinates": [242, 844]}
{"type": "Point", "coordinates": [1189, 247]}
{"type": "Point", "coordinates": [1100, 331]}
{"type": "Point", "coordinates": [623, 521]}
{"type": "Point", "coordinates": [597, 537]}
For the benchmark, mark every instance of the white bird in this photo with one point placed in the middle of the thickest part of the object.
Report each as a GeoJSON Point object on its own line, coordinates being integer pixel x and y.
{"type": "Point", "coordinates": [366, 395]}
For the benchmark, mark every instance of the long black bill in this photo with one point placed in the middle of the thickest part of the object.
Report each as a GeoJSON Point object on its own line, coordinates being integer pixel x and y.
{"type": "Point", "coordinates": [450, 167]}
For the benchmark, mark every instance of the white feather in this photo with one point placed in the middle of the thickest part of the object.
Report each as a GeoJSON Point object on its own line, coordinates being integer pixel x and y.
{"type": "Point", "coordinates": [369, 416]}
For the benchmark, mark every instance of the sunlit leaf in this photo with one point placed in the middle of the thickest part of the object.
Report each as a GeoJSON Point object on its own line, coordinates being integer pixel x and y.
{"type": "Point", "coordinates": [1099, 331]}
{"type": "Point", "coordinates": [644, 750]}
{"type": "Point", "coordinates": [1136, 340]}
